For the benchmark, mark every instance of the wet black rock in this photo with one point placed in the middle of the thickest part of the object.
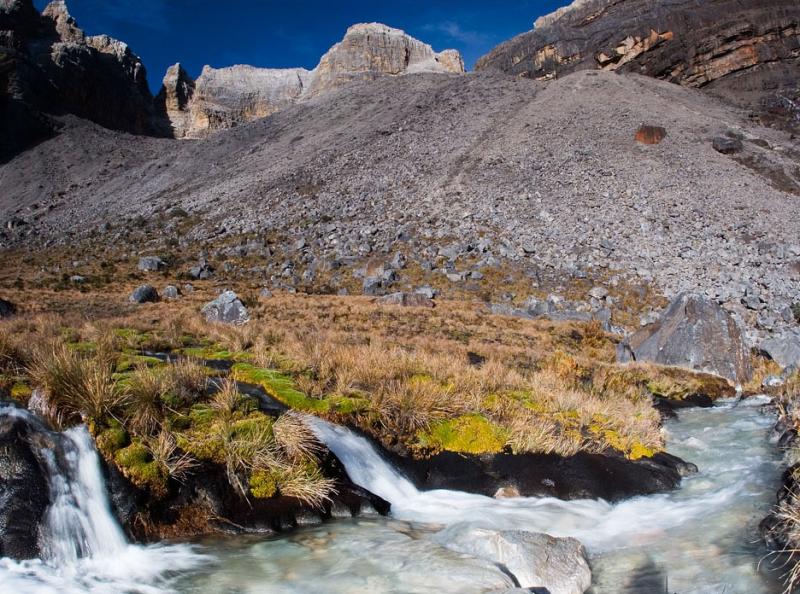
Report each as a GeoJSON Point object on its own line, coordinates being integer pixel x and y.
{"type": "Point", "coordinates": [24, 495]}
{"type": "Point", "coordinates": [584, 475]}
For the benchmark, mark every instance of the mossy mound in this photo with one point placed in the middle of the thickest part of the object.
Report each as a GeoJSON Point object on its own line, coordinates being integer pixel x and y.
{"type": "Point", "coordinates": [467, 434]}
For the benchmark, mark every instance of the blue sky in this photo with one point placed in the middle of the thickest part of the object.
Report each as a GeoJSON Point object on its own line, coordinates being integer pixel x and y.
{"type": "Point", "coordinates": [285, 34]}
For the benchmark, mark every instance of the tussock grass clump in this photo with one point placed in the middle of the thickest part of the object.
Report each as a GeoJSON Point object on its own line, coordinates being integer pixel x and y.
{"type": "Point", "coordinates": [147, 388]}
{"type": "Point", "coordinates": [76, 387]}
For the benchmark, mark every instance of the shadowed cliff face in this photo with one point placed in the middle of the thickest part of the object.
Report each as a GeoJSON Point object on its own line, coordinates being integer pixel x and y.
{"type": "Point", "coordinates": [746, 51]}
{"type": "Point", "coordinates": [49, 66]}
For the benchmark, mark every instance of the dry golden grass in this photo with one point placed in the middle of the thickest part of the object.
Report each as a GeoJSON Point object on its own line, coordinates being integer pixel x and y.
{"type": "Point", "coordinates": [550, 386]}
{"type": "Point", "coordinates": [78, 387]}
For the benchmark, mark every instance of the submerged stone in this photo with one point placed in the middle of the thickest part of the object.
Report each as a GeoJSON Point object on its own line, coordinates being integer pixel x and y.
{"type": "Point", "coordinates": [535, 560]}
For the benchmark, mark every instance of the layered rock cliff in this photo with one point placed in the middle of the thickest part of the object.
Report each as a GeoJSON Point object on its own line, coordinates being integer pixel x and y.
{"type": "Point", "coordinates": [225, 97]}
{"type": "Point", "coordinates": [49, 66]}
{"type": "Point", "coordinates": [746, 51]}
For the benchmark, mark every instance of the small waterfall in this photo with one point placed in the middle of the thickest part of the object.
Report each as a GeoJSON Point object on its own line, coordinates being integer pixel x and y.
{"type": "Point", "coordinates": [79, 522]}
{"type": "Point", "coordinates": [364, 465]}
{"type": "Point", "coordinates": [83, 546]}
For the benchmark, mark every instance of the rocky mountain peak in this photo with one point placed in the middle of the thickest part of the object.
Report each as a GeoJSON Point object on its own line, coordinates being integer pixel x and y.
{"type": "Point", "coordinates": [548, 19]}
{"type": "Point", "coordinates": [49, 66]}
{"type": "Point", "coordinates": [65, 26]}
{"type": "Point", "coordinates": [222, 98]}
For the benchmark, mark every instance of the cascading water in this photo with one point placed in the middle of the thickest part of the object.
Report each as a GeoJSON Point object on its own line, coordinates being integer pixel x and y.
{"type": "Point", "coordinates": [699, 539]}
{"type": "Point", "coordinates": [83, 547]}
{"type": "Point", "coordinates": [79, 522]}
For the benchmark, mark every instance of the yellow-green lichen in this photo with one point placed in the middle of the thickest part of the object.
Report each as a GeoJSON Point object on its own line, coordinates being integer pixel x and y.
{"type": "Point", "coordinates": [263, 484]}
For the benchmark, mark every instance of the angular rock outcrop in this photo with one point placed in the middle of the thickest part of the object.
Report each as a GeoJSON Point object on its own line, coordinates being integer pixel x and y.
{"type": "Point", "coordinates": [693, 332]}
{"type": "Point", "coordinates": [226, 309]}
{"type": "Point", "coordinates": [369, 50]}
{"type": "Point", "coordinates": [49, 66]}
{"type": "Point", "coordinates": [222, 98]}
{"type": "Point", "coordinates": [747, 51]}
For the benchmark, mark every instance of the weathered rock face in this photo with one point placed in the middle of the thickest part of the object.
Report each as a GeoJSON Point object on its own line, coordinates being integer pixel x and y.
{"type": "Point", "coordinates": [535, 560]}
{"type": "Point", "coordinates": [371, 50]}
{"type": "Point", "coordinates": [225, 97]}
{"type": "Point", "coordinates": [697, 333]}
{"type": "Point", "coordinates": [48, 66]}
{"type": "Point", "coordinates": [784, 349]}
{"type": "Point", "coordinates": [745, 51]}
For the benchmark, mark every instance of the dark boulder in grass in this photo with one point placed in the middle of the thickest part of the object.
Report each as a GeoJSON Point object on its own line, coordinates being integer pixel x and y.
{"type": "Point", "coordinates": [144, 294]}
{"type": "Point", "coordinates": [7, 309]}
{"type": "Point", "coordinates": [696, 333]}
{"type": "Point", "coordinates": [226, 309]}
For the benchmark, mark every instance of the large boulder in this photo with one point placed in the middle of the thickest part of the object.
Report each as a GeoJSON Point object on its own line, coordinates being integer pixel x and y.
{"type": "Point", "coordinates": [784, 350]}
{"type": "Point", "coordinates": [535, 560]}
{"type": "Point", "coordinates": [406, 300]}
{"type": "Point", "coordinates": [24, 495]}
{"type": "Point", "coordinates": [144, 294]}
{"type": "Point", "coordinates": [151, 264]}
{"type": "Point", "coordinates": [226, 309]}
{"type": "Point", "coordinates": [694, 332]}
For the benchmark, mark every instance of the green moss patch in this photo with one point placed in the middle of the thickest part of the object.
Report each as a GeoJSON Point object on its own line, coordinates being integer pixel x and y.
{"type": "Point", "coordinates": [279, 386]}
{"type": "Point", "coordinates": [213, 353]}
{"type": "Point", "coordinates": [138, 466]}
{"type": "Point", "coordinates": [468, 434]}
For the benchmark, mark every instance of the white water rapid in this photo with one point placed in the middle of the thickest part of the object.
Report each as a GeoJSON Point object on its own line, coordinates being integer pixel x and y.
{"type": "Point", "coordinates": [700, 539]}
{"type": "Point", "coordinates": [84, 547]}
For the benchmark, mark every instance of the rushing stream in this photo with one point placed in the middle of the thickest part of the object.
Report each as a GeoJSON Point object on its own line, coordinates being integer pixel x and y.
{"type": "Point", "coordinates": [701, 538]}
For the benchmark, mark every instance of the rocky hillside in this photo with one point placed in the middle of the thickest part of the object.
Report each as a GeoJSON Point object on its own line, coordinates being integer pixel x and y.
{"type": "Point", "coordinates": [746, 51]}
{"type": "Point", "coordinates": [462, 175]}
{"type": "Point", "coordinates": [222, 98]}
